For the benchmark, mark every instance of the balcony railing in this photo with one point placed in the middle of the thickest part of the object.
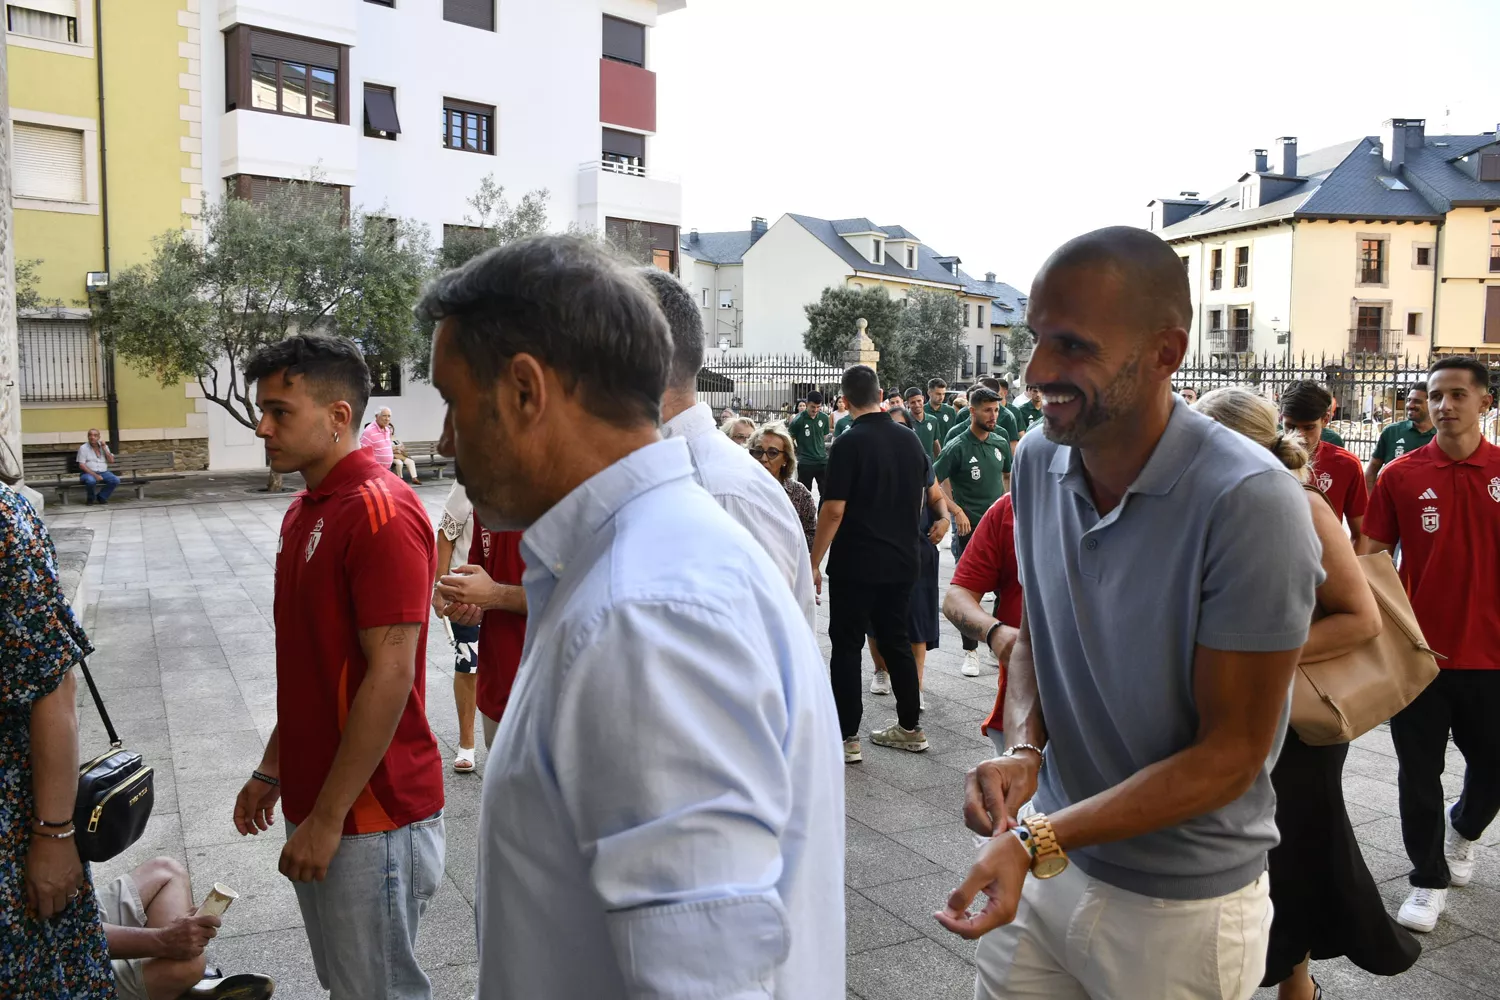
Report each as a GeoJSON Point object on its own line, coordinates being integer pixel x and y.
{"type": "Point", "coordinates": [998, 358]}
{"type": "Point", "coordinates": [1235, 340]}
{"type": "Point", "coordinates": [1376, 340]}
{"type": "Point", "coordinates": [629, 166]}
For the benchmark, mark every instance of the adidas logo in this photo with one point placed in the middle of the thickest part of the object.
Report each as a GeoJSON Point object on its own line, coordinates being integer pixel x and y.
{"type": "Point", "coordinates": [1428, 494]}
{"type": "Point", "coordinates": [972, 460]}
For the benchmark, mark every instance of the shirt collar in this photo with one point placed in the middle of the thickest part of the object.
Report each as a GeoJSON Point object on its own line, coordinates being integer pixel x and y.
{"type": "Point", "coordinates": [873, 416]}
{"type": "Point", "coordinates": [691, 422]}
{"type": "Point", "coordinates": [1169, 459]}
{"type": "Point", "coordinates": [558, 535]}
{"type": "Point", "coordinates": [1479, 458]}
{"type": "Point", "coordinates": [358, 465]}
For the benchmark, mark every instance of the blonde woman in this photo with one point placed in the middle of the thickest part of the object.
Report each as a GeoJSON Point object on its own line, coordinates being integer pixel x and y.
{"type": "Point", "coordinates": [772, 447]}
{"type": "Point", "coordinates": [1324, 898]}
{"type": "Point", "coordinates": [739, 430]}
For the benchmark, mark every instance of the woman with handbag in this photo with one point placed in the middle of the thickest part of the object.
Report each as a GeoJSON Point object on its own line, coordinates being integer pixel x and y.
{"type": "Point", "coordinates": [52, 940]}
{"type": "Point", "coordinates": [1324, 898]}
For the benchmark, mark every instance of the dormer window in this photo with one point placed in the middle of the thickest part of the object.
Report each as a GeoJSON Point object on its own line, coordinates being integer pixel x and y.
{"type": "Point", "coordinates": [1247, 196]}
{"type": "Point", "coordinates": [879, 255]}
{"type": "Point", "coordinates": [911, 258]}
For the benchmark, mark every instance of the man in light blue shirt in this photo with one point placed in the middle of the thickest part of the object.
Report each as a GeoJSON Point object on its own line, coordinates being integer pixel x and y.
{"type": "Point", "coordinates": [663, 806]}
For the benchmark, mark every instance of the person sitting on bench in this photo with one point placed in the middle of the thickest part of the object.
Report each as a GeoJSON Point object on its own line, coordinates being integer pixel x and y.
{"type": "Point", "coordinates": [94, 457]}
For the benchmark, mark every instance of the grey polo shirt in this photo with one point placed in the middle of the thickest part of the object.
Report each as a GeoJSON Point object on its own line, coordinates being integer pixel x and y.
{"type": "Point", "coordinates": [1212, 545]}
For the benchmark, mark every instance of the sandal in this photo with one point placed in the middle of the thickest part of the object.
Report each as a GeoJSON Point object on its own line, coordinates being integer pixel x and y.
{"type": "Point", "coordinates": [463, 761]}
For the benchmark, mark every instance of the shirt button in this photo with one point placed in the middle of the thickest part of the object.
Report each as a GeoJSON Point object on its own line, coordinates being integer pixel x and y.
{"type": "Point", "coordinates": [1091, 544]}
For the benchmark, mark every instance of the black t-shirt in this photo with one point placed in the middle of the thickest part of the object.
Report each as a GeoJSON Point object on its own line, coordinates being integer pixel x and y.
{"type": "Point", "coordinates": [880, 473]}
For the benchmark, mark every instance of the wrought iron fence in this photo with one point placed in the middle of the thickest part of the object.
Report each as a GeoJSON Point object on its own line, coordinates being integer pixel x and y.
{"type": "Point", "coordinates": [764, 386]}
{"type": "Point", "coordinates": [61, 361]}
{"type": "Point", "coordinates": [1369, 389]}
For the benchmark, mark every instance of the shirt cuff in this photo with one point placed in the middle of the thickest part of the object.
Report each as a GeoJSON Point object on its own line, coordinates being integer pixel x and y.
{"type": "Point", "coordinates": [1253, 642]}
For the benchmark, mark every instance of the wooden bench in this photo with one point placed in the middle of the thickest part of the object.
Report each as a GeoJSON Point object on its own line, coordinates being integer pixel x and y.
{"type": "Point", "coordinates": [136, 470]}
{"type": "Point", "coordinates": [425, 454]}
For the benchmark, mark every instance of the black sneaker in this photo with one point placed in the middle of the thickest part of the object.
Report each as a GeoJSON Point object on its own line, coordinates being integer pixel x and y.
{"type": "Point", "coordinates": [89, 502]}
{"type": "Point", "coordinates": [245, 986]}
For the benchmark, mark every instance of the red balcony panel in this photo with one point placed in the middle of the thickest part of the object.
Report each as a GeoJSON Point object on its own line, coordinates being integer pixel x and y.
{"type": "Point", "coordinates": [627, 95]}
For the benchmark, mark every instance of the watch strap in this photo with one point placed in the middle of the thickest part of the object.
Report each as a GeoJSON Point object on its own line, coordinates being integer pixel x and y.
{"type": "Point", "coordinates": [1044, 840]}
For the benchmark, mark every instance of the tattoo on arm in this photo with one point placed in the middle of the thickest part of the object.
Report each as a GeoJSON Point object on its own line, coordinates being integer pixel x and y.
{"type": "Point", "coordinates": [973, 623]}
{"type": "Point", "coordinates": [398, 635]}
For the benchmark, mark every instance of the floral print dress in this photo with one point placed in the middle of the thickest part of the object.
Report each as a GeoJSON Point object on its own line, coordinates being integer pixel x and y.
{"type": "Point", "coordinates": [40, 641]}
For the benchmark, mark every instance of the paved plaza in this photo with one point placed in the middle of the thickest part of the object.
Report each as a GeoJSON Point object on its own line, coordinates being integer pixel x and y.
{"type": "Point", "coordinates": [179, 599]}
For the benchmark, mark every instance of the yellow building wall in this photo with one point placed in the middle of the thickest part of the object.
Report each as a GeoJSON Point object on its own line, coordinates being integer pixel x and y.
{"type": "Point", "coordinates": [152, 169]}
{"type": "Point", "coordinates": [1464, 262]}
{"type": "Point", "coordinates": [1326, 290]}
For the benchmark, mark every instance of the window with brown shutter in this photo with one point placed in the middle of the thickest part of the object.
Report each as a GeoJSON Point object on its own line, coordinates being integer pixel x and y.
{"type": "Point", "coordinates": [380, 112]}
{"type": "Point", "coordinates": [285, 74]}
{"type": "Point", "coordinates": [1241, 267]}
{"type": "Point", "coordinates": [624, 41]}
{"type": "Point", "coordinates": [1216, 269]}
{"type": "Point", "coordinates": [468, 126]}
{"type": "Point", "coordinates": [1489, 166]}
{"type": "Point", "coordinates": [474, 13]}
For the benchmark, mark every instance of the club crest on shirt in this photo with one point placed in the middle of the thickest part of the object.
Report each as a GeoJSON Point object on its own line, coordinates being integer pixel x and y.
{"type": "Point", "coordinates": [975, 473]}
{"type": "Point", "coordinates": [1325, 482]}
{"type": "Point", "coordinates": [1495, 489]}
{"type": "Point", "coordinates": [484, 541]}
{"type": "Point", "coordinates": [1429, 519]}
{"type": "Point", "coordinates": [998, 456]}
{"type": "Point", "coordinates": [1400, 449]}
{"type": "Point", "coordinates": [313, 540]}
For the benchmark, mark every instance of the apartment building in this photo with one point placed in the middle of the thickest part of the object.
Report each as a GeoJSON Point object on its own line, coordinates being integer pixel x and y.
{"type": "Point", "coordinates": [752, 285]}
{"type": "Point", "coordinates": [80, 71]}
{"type": "Point", "coordinates": [1383, 245]}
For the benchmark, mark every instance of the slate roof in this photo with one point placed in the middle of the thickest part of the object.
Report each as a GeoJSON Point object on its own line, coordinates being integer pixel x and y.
{"type": "Point", "coordinates": [729, 248]}
{"type": "Point", "coordinates": [718, 248]}
{"type": "Point", "coordinates": [1352, 181]}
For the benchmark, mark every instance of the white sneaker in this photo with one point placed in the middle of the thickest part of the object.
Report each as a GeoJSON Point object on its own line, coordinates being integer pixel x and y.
{"type": "Point", "coordinates": [971, 664]}
{"type": "Point", "coordinates": [852, 754]}
{"type": "Point", "coordinates": [923, 703]}
{"type": "Point", "coordinates": [880, 683]}
{"type": "Point", "coordinates": [1459, 851]}
{"type": "Point", "coordinates": [1422, 908]}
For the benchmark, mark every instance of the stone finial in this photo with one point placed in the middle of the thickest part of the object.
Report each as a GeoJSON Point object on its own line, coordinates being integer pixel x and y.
{"type": "Point", "coordinates": [862, 351]}
{"type": "Point", "coordinates": [862, 341]}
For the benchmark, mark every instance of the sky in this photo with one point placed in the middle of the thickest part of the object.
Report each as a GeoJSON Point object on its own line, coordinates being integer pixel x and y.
{"type": "Point", "coordinates": [996, 130]}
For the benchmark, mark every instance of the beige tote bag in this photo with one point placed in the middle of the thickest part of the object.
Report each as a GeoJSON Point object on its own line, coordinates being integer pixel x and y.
{"type": "Point", "coordinates": [1337, 700]}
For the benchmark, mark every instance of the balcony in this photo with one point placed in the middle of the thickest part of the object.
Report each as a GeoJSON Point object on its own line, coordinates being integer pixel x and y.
{"type": "Point", "coordinates": [1375, 340]}
{"type": "Point", "coordinates": [1235, 340]}
{"type": "Point", "coordinates": [628, 189]}
{"type": "Point", "coordinates": [627, 95]}
{"type": "Point", "coordinates": [267, 145]}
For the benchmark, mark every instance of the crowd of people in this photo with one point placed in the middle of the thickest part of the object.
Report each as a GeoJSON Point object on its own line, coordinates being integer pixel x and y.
{"type": "Point", "coordinates": [629, 583]}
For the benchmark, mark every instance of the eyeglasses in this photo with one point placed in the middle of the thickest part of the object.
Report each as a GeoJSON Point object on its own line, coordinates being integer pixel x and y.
{"type": "Point", "coordinates": [772, 453]}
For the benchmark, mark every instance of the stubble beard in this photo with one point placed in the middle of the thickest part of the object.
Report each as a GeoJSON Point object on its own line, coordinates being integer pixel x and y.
{"type": "Point", "coordinates": [1119, 398]}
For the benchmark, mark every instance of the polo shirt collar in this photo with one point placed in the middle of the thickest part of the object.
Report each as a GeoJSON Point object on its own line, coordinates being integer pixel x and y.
{"type": "Point", "coordinates": [355, 467]}
{"type": "Point", "coordinates": [557, 536]}
{"type": "Point", "coordinates": [691, 422]}
{"type": "Point", "coordinates": [1169, 459]}
{"type": "Point", "coordinates": [872, 416]}
{"type": "Point", "coordinates": [1478, 459]}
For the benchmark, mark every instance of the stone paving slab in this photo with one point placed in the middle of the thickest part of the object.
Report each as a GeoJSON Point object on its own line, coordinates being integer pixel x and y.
{"type": "Point", "coordinates": [180, 593]}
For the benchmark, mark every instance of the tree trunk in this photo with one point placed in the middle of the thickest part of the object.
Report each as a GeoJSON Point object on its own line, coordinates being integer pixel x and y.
{"type": "Point", "coordinates": [273, 482]}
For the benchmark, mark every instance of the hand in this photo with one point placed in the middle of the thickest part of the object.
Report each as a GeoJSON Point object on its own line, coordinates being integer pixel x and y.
{"type": "Point", "coordinates": [997, 789]}
{"type": "Point", "coordinates": [255, 808]}
{"type": "Point", "coordinates": [469, 584]}
{"type": "Point", "coordinates": [53, 875]}
{"type": "Point", "coordinates": [186, 937]}
{"type": "Point", "coordinates": [465, 614]}
{"type": "Point", "coordinates": [310, 849]}
{"type": "Point", "coordinates": [938, 530]}
{"type": "Point", "coordinates": [1002, 642]}
{"type": "Point", "coordinates": [817, 581]}
{"type": "Point", "coordinates": [439, 604]}
{"type": "Point", "coordinates": [999, 873]}
{"type": "Point", "coordinates": [961, 522]}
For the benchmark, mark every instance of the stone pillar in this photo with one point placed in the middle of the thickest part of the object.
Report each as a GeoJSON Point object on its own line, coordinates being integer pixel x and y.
{"type": "Point", "coordinates": [862, 350]}
{"type": "Point", "coordinates": [10, 360]}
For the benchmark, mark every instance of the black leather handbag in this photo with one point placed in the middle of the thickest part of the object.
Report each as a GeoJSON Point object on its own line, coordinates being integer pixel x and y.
{"type": "Point", "coordinates": [115, 793]}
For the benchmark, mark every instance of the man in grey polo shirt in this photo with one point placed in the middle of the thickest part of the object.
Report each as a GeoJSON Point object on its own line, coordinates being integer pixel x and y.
{"type": "Point", "coordinates": [1169, 568]}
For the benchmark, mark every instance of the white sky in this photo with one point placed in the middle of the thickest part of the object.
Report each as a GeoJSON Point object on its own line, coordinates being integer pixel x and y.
{"type": "Point", "coordinates": [995, 130]}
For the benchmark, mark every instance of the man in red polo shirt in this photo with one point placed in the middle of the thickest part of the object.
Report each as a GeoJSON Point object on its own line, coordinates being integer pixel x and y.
{"type": "Point", "coordinates": [988, 565]}
{"type": "Point", "coordinates": [1441, 504]}
{"type": "Point", "coordinates": [1305, 409]}
{"type": "Point", "coordinates": [351, 755]}
{"type": "Point", "coordinates": [489, 590]}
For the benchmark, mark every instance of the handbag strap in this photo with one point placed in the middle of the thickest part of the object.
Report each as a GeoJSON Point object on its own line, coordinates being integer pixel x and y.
{"type": "Point", "coordinates": [109, 727]}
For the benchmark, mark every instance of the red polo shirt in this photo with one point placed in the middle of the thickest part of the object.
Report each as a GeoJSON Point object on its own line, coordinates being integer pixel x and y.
{"type": "Point", "coordinates": [988, 565]}
{"type": "Point", "coordinates": [1446, 517]}
{"type": "Point", "coordinates": [355, 553]}
{"type": "Point", "coordinates": [1339, 475]}
{"type": "Point", "coordinates": [502, 633]}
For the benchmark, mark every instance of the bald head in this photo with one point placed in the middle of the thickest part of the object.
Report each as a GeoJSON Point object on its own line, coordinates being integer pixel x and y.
{"type": "Point", "coordinates": [1142, 275]}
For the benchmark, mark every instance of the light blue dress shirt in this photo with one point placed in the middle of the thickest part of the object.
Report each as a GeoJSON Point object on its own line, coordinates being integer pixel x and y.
{"type": "Point", "coordinates": [663, 805]}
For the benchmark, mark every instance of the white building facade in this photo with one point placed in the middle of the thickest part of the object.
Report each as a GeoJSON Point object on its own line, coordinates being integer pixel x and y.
{"type": "Point", "coordinates": [407, 106]}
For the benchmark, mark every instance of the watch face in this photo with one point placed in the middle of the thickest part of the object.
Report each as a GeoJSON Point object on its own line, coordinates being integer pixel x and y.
{"type": "Point", "coordinates": [1049, 866]}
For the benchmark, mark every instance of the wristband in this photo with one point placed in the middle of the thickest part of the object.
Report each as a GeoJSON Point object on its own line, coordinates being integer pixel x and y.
{"type": "Point", "coordinates": [263, 776]}
{"type": "Point", "coordinates": [54, 826]}
{"type": "Point", "coordinates": [1011, 751]}
{"type": "Point", "coordinates": [991, 633]}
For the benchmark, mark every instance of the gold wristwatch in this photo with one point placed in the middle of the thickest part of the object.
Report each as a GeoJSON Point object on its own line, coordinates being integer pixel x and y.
{"type": "Point", "coordinates": [1047, 858]}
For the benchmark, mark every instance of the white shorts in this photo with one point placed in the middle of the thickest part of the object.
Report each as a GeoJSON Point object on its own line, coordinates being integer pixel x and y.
{"type": "Point", "coordinates": [120, 904]}
{"type": "Point", "coordinates": [1076, 938]}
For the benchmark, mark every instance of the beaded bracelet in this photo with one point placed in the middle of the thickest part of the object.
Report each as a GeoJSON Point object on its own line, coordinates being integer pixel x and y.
{"type": "Point", "coordinates": [55, 826]}
{"type": "Point", "coordinates": [53, 836]}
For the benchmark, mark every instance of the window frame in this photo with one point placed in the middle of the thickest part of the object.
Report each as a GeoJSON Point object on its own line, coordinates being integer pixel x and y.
{"type": "Point", "coordinates": [89, 130]}
{"type": "Point", "coordinates": [1242, 266]}
{"type": "Point", "coordinates": [979, 317]}
{"type": "Point", "coordinates": [604, 47]}
{"type": "Point", "coordinates": [1494, 246]}
{"type": "Point", "coordinates": [1489, 167]}
{"type": "Point", "coordinates": [1233, 330]}
{"type": "Point", "coordinates": [378, 368]}
{"type": "Point", "coordinates": [879, 252]}
{"type": "Point", "coordinates": [239, 63]}
{"type": "Point", "coordinates": [452, 106]}
{"type": "Point", "coordinates": [1382, 258]}
{"type": "Point", "coordinates": [451, 7]}
{"type": "Point", "coordinates": [966, 315]}
{"type": "Point", "coordinates": [370, 131]}
{"type": "Point", "coordinates": [706, 291]}
{"type": "Point", "coordinates": [1416, 255]}
{"type": "Point", "coordinates": [1216, 269]}
{"type": "Point", "coordinates": [726, 298]}
{"type": "Point", "coordinates": [911, 258]}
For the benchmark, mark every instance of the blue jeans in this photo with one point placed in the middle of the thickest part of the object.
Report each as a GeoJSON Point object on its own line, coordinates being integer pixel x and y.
{"type": "Point", "coordinates": [110, 480]}
{"type": "Point", "coordinates": [361, 920]}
